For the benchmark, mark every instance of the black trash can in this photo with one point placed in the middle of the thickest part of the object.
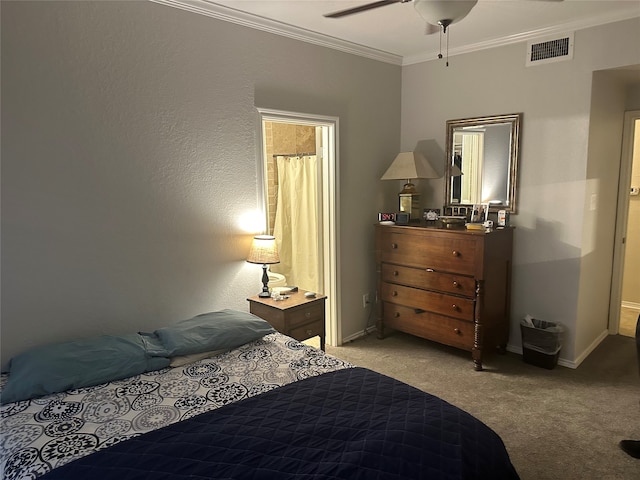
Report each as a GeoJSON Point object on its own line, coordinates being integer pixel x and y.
{"type": "Point", "coordinates": [541, 342]}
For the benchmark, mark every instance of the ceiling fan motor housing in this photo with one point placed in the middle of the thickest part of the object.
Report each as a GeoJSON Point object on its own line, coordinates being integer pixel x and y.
{"type": "Point", "coordinates": [443, 12]}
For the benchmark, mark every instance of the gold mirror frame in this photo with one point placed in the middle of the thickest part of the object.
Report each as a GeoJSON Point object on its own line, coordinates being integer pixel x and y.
{"type": "Point", "coordinates": [467, 124]}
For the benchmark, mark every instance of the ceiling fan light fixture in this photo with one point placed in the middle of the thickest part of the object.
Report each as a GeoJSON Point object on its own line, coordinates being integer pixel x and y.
{"type": "Point", "coordinates": [436, 12]}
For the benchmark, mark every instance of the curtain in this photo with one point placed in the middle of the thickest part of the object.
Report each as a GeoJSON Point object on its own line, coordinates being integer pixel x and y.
{"type": "Point", "coordinates": [296, 222]}
{"type": "Point", "coordinates": [472, 152]}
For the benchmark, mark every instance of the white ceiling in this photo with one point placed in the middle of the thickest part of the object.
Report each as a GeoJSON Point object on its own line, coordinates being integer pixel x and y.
{"type": "Point", "coordinates": [396, 33]}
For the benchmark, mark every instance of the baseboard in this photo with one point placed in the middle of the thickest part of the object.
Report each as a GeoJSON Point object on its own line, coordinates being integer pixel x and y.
{"type": "Point", "coordinates": [631, 305]}
{"type": "Point", "coordinates": [510, 348]}
{"type": "Point", "coordinates": [359, 334]}
{"type": "Point", "coordinates": [565, 362]}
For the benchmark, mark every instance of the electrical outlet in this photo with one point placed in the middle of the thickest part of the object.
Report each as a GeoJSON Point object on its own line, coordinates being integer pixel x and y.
{"type": "Point", "coordinates": [365, 300]}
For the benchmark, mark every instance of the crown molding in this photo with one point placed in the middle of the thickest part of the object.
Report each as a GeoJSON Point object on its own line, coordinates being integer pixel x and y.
{"type": "Point", "coordinates": [628, 14]}
{"type": "Point", "coordinates": [232, 15]}
{"type": "Point", "coordinates": [227, 14]}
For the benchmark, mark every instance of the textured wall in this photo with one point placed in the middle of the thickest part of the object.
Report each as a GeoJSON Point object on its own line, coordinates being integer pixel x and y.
{"type": "Point", "coordinates": [129, 158]}
{"type": "Point", "coordinates": [560, 257]}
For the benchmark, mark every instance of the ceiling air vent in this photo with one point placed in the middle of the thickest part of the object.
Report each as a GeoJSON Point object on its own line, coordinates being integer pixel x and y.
{"type": "Point", "coordinates": [550, 50]}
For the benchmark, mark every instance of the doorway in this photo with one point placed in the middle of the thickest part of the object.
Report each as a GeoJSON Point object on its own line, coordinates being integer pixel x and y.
{"type": "Point", "coordinates": [299, 182]}
{"type": "Point", "coordinates": [625, 300]}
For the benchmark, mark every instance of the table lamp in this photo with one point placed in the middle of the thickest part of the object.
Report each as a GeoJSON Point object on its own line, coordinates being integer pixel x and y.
{"type": "Point", "coordinates": [406, 166]}
{"type": "Point", "coordinates": [264, 250]}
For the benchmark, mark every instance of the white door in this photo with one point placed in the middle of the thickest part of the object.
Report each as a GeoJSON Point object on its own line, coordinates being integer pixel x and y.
{"type": "Point", "coordinates": [325, 206]}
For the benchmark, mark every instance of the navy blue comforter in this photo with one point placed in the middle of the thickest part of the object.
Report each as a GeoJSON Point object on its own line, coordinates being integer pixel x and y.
{"type": "Point", "coordinates": [348, 424]}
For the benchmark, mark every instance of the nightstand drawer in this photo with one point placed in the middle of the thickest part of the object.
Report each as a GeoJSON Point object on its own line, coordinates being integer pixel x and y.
{"type": "Point", "coordinates": [307, 331]}
{"type": "Point", "coordinates": [428, 279]}
{"type": "Point", "coordinates": [305, 314]}
{"type": "Point", "coordinates": [450, 331]}
{"type": "Point", "coordinates": [414, 298]}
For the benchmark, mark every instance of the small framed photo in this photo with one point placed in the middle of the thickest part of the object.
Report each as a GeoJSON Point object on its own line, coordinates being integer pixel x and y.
{"type": "Point", "coordinates": [431, 214]}
{"type": "Point", "coordinates": [480, 213]}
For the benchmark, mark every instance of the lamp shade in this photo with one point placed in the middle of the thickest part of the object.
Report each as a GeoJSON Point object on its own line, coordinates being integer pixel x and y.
{"type": "Point", "coordinates": [263, 250]}
{"type": "Point", "coordinates": [408, 165]}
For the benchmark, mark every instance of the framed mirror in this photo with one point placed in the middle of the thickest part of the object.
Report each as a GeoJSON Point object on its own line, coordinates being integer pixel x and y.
{"type": "Point", "coordinates": [482, 162]}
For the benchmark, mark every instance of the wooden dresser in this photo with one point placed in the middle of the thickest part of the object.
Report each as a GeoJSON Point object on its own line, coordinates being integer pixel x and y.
{"type": "Point", "coordinates": [448, 285]}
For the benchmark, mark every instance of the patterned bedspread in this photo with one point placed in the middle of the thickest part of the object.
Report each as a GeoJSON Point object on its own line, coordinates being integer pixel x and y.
{"type": "Point", "coordinates": [42, 434]}
{"type": "Point", "coordinates": [350, 424]}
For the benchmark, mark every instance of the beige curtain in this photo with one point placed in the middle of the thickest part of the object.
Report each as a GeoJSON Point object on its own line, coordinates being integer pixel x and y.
{"type": "Point", "coordinates": [296, 223]}
{"type": "Point", "coordinates": [472, 159]}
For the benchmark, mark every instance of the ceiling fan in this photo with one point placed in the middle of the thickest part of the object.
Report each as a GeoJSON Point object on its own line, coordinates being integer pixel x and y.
{"type": "Point", "coordinates": [438, 14]}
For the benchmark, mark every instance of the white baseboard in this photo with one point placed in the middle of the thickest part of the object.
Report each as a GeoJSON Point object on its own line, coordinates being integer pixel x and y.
{"type": "Point", "coordinates": [631, 305]}
{"type": "Point", "coordinates": [591, 348]}
{"type": "Point", "coordinates": [510, 348]}
{"type": "Point", "coordinates": [359, 334]}
{"type": "Point", "coordinates": [565, 362]}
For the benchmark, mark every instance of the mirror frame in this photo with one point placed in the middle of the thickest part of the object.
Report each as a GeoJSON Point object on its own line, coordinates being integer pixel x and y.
{"type": "Point", "coordinates": [514, 119]}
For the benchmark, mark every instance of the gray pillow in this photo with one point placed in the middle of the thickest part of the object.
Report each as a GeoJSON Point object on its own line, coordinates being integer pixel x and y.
{"type": "Point", "coordinates": [82, 363]}
{"type": "Point", "coordinates": [213, 331]}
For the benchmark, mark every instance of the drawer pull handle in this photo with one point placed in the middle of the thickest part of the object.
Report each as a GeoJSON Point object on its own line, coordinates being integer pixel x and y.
{"type": "Point", "coordinates": [394, 246]}
{"type": "Point", "coordinates": [457, 331]}
{"type": "Point", "coordinates": [307, 314]}
{"type": "Point", "coordinates": [429, 270]}
{"type": "Point", "coordinates": [309, 332]}
{"type": "Point", "coordinates": [394, 294]}
{"type": "Point", "coordinates": [454, 307]}
{"type": "Point", "coordinates": [396, 273]}
{"type": "Point", "coordinates": [456, 284]}
{"type": "Point", "coordinates": [396, 314]}
{"type": "Point", "coordinates": [456, 253]}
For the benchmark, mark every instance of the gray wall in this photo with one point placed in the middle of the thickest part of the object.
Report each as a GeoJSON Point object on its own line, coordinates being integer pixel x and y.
{"type": "Point", "coordinates": [129, 139]}
{"type": "Point", "coordinates": [129, 154]}
{"type": "Point", "coordinates": [563, 249]}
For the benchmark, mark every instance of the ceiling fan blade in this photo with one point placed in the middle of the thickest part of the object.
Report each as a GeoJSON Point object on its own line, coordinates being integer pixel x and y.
{"type": "Point", "coordinates": [363, 8]}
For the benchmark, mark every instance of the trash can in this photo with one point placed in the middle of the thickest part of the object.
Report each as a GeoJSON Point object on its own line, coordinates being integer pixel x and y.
{"type": "Point", "coordinates": [541, 342]}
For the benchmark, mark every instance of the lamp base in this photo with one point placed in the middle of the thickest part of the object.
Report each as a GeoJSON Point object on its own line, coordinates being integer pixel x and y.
{"type": "Point", "coordinates": [410, 203]}
{"type": "Point", "coordinates": [265, 282]}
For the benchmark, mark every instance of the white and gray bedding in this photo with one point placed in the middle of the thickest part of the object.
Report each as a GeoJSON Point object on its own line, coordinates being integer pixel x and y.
{"type": "Point", "coordinates": [266, 407]}
{"type": "Point", "coordinates": [41, 434]}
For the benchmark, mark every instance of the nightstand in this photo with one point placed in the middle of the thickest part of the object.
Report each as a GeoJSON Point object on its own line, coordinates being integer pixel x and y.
{"type": "Point", "coordinates": [297, 316]}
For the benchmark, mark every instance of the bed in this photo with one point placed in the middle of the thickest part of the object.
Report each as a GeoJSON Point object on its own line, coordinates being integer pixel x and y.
{"type": "Point", "coordinates": [270, 407]}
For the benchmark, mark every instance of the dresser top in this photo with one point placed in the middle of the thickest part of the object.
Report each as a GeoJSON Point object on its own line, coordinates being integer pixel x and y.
{"type": "Point", "coordinates": [444, 230]}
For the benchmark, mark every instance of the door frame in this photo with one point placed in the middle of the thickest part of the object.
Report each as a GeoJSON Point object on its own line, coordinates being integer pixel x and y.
{"type": "Point", "coordinates": [622, 216]}
{"type": "Point", "coordinates": [329, 213]}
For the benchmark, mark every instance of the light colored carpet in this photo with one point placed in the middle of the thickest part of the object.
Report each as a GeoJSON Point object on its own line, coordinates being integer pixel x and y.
{"type": "Point", "coordinates": [556, 424]}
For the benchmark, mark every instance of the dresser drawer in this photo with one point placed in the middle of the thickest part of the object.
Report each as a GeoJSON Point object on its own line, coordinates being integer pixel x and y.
{"type": "Point", "coordinates": [457, 333]}
{"type": "Point", "coordinates": [429, 279]}
{"type": "Point", "coordinates": [455, 254]}
{"type": "Point", "coordinates": [307, 331]}
{"type": "Point", "coordinates": [444, 304]}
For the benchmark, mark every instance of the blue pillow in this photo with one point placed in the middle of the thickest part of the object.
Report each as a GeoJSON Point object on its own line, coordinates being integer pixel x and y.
{"type": "Point", "coordinates": [82, 363]}
{"type": "Point", "coordinates": [213, 331]}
